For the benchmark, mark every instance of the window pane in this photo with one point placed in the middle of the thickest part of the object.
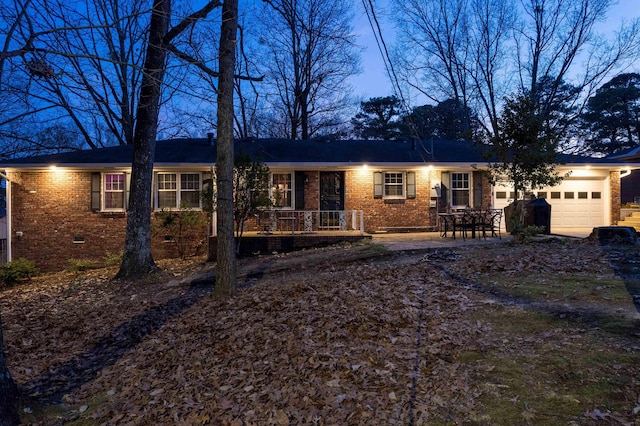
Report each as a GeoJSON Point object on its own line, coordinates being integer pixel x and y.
{"type": "Point", "coordinates": [583, 195]}
{"type": "Point", "coordinates": [555, 195]}
{"type": "Point", "coordinates": [167, 199]}
{"type": "Point", "coordinates": [542, 195]}
{"type": "Point", "coordinates": [568, 195]}
{"type": "Point", "coordinates": [114, 182]}
{"type": "Point", "coordinates": [392, 178]}
{"type": "Point", "coordinates": [190, 181]}
{"type": "Point", "coordinates": [460, 180]}
{"type": "Point", "coordinates": [393, 190]}
{"type": "Point", "coordinates": [167, 181]}
{"type": "Point", "coordinates": [113, 200]}
{"type": "Point", "coordinates": [501, 195]}
{"type": "Point", "coordinates": [190, 199]}
{"type": "Point", "coordinates": [596, 195]}
{"type": "Point", "coordinates": [460, 198]}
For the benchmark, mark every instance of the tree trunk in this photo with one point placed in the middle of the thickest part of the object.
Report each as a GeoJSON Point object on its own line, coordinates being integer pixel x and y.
{"type": "Point", "coordinates": [137, 259]}
{"type": "Point", "coordinates": [8, 391]}
{"type": "Point", "coordinates": [226, 256]}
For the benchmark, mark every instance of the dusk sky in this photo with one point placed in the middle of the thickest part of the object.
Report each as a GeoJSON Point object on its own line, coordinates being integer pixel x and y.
{"type": "Point", "coordinates": [374, 80]}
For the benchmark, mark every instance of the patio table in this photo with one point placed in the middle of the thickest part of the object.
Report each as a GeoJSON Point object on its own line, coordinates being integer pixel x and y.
{"type": "Point", "coordinates": [463, 221]}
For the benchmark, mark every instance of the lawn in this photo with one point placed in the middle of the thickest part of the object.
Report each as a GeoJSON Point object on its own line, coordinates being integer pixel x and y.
{"type": "Point", "coordinates": [543, 333]}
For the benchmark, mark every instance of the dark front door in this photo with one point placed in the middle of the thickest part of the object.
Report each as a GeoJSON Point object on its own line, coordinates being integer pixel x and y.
{"type": "Point", "coordinates": [331, 190]}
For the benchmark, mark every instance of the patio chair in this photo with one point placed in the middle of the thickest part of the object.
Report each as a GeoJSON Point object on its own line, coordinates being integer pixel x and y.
{"type": "Point", "coordinates": [465, 223]}
{"type": "Point", "coordinates": [494, 217]}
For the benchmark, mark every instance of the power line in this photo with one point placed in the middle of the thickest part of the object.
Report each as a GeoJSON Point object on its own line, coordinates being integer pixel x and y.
{"type": "Point", "coordinates": [386, 58]}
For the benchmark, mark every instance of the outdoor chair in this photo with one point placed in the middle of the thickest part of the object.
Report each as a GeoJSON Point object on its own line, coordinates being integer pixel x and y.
{"type": "Point", "coordinates": [494, 219]}
{"type": "Point", "coordinates": [465, 223]}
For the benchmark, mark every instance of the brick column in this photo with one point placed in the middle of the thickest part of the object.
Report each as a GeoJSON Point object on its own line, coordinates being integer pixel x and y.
{"type": "Point", "coordinates": [614, 187]}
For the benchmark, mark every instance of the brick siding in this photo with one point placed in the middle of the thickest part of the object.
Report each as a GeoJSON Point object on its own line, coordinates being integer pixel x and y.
{"type": "Point", "coordinates": [52, 209]}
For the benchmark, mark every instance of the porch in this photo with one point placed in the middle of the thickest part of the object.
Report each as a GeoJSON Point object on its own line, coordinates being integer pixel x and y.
{"type": "Point", "coordinates": [259, 243]}
{"type": "Point", "coordinates": [289, 230]}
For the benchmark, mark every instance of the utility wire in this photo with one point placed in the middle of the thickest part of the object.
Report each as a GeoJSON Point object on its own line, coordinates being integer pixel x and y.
{"type": "Point", "coordinates": [388, 65]}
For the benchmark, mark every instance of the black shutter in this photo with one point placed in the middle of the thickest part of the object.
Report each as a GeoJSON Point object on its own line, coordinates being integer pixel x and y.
{"type": "Point", "coordinates": [411, 185]}
{"type": "Point", "coordinates": [127, 189]}
{"type": "Point", "coordinates": [299, 187]}
{"type": "Point", "coordinates": [95, 192]}
{"type": "Point", "coordinates": [377, 185]}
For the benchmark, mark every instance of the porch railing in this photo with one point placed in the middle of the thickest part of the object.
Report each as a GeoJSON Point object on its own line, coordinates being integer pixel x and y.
{"type": "Point", "coordinates": [306, 221]}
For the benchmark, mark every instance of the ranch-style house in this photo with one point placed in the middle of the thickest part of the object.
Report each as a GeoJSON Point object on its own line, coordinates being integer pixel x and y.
{"type": "Point", "coordinates": [73, 205]}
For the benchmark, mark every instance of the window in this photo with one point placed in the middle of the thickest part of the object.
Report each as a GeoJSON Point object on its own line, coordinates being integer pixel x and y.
{"type": "Point", "coordinates": [178, 190]}
{"type": "Point", "coordinates": [394, 185]}
{"type": "Point", "coordinates": [583, 195]}
{"type": "Point", "coordinates": [113, 191]}
{"type": "Point", "coordinates": [542, 194]}
{"type": "Point", "coordinates": [569, 195]}
{"type": "Point", "coordinates": [460, 189]}
{"type": "Point", "coordinates": [501, 195]}
{"type": "Point", "coordinates": [190, 190]}
{"type": "Point", "coordinates": [282, 190]}
{"type": "Point", "coordinates": [555, 195]}
{"type": "Point", "coordinates": [596, 195]}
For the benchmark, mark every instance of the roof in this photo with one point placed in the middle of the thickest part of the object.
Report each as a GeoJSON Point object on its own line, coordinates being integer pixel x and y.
{"type": "Point", "coordinates": [631, 154]}
{"type": "Point", "coordinates": [274, 152]}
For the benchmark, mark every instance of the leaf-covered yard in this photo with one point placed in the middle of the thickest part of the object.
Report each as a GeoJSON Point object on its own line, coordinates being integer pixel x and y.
{"type": "Point", "coordinates": [542, 333]}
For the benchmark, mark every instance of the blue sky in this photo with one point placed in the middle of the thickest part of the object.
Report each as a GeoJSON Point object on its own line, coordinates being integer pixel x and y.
{"type": "Point", "coordinates": [374, 80]}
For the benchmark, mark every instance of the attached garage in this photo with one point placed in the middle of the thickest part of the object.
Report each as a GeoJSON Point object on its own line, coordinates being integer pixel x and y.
{"type": "Point", "coordinates": [578, 202]}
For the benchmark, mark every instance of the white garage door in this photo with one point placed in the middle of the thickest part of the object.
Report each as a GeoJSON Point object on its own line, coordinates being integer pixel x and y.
{"type": "Point", "coordinates": [575, 203]}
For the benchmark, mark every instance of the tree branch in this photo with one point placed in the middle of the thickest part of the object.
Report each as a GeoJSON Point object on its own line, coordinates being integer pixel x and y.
{"type": "Point", "coordinates": [202, 66]}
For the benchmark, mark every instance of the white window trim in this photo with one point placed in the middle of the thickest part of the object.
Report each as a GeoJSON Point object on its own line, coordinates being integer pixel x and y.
{"type": "Point", "coordinates": [103, 192]}
{"type": "Point", "coordinates": [468, 189]}
{"type": "Point", "coordinates": [178, 190]}
{"type": "Point", "coordinates": [292, 190]}
{"type": "Point", "coordinates": [402, 185]}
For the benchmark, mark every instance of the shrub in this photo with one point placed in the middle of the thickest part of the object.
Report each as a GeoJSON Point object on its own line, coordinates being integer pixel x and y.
{"type": "Point", "coordinates": [16, 270]}
{"type": "Point", "coordinates": [79, 265]}
{"type": "Point", "coordinates": [113, 259]}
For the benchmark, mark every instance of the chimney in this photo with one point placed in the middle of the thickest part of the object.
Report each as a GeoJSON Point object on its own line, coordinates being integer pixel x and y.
{"type": "Point", "coordinates": [210, 138]}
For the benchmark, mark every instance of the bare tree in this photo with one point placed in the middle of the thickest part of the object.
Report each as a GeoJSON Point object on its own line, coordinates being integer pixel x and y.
{"type": "Point", "coordinates": [310, 53]}
{"type": "Point", "coordinates": [8, 391]}
{"type": "Point", "coordinates": [79, 66]}
{"type": "Point", "coordinates": [137, 258]}
{"type": "Point", "coordinates": [226, 254]}
{"type": "Point", "coordinates": [550, 42]}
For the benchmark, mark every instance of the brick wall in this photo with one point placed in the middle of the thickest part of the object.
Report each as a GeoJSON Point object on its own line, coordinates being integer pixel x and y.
{"type": "Point", "coordinates": [52, 211]}
{"type": "Point", "coordinates": [380, 214]}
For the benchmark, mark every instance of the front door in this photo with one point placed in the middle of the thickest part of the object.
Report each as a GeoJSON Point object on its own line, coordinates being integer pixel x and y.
{"type": "Point", "coordinates": [332, 200]}
{"type": "Point", "coordinates": [331, 190]}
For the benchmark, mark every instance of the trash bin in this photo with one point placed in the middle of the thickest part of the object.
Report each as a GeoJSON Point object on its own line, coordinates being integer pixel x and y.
{"type": "Point", "coordinates": [539, 214]}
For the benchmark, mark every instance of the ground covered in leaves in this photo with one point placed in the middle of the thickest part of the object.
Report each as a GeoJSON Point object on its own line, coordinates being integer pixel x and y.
{"type": "Point", "coordinates": [541, 333]}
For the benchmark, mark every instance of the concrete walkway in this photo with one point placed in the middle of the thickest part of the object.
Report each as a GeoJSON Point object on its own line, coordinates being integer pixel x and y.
{"type": "Point", "coordinates": [426, 240]}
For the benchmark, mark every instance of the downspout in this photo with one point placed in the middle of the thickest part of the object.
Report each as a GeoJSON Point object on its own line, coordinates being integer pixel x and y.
{"type": "Point", "coordinates": [625, 173]}
{"type": "Point", "coordinates": [8, 214]}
